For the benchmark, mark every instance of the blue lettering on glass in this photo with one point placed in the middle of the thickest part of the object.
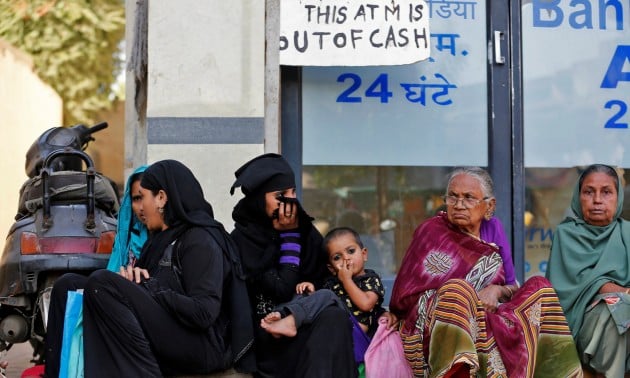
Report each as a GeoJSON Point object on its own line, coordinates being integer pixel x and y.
{"type": "Point", "coordinates": [446, 8]}
{"type": "Point", "coordinates": [545, 233]}
{"type": "Point", "coordinates": [528, 267]}
{"type": "Point", "coordinates": [549, 13]}
{"type": "Point", "coordinates": [378, 88]}
{"type": "Point", "coordinates": [614, 75]}
{"type": "Point", "coordinates": [579, 14]}
{"type": "Point", "coordinates": [383, 93]}
{"type": "Point", "coordinates": [552, 11]}
{"type": "Point", "coordinates": [447, 42]}
{"type": "Point", "coordinates": [345, 96]}
{"type": "Point", "coordinates": [615, 72]}
{"type": "Point", "coordinates": [582, 19]}
{"type": "Point", "coordinates": [622, 109]}
{"type": "Point", "coordinates": [616, 4]}
{"type": "Point", "coordinates": [417, 92]}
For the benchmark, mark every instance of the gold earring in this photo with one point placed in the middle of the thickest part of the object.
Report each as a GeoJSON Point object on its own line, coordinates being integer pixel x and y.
{"type": "Point", "coordinates": [161, 210]}
{"type": "Point", "coordinates": [488, 216]}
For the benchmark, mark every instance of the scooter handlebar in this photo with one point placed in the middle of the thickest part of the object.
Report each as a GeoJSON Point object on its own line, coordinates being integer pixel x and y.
{"type": "Point", "coordinates": [98, 127]}
{"type": "Point", "coordinates": [85, 133]}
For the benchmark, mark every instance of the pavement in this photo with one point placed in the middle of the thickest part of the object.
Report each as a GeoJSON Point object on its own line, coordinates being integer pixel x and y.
{"type": "Point", "coordinates": [19, 357]}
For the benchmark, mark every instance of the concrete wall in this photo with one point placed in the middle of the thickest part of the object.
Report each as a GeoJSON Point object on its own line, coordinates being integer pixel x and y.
{"type": "Point", "coordinates": [206, 89]}
{"type": "Point", "coordinates": [28, 107]}
{"type": "Point", "coordinates": [108, 150]}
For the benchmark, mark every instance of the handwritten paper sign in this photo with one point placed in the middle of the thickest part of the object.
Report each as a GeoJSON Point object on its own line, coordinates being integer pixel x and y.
{"type": "Point", "coordinates": [353, 32]}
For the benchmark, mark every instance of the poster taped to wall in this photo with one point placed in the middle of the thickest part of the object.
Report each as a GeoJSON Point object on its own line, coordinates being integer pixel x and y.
{"type": "Point", "coordinates": [355, 32]}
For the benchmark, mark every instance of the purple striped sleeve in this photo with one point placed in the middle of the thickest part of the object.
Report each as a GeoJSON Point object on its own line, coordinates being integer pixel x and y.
{"type": "Point", "coordinates": [293, 260]}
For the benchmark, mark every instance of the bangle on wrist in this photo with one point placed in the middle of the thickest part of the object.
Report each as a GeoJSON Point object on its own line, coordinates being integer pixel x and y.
{"type": "Point", "coordinates": [510, 291]}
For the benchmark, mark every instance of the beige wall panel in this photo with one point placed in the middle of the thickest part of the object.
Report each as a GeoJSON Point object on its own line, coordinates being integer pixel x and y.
{"type": "Point", "coordinates": [206, 58]}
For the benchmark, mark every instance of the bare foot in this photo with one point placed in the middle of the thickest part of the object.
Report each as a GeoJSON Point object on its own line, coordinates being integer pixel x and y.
{"type": "Point", "coordinates": [272, 317]}
{"type": "Point", "coordinates": [4, 364]}
{"type": "Point", "coordinates": [279, 327]}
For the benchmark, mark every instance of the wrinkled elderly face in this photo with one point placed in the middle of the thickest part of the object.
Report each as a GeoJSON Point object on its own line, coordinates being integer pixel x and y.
{"type": "Point", "coordinates": [470, 208]}
{"type": "Point", "coordinates": [598, 199]}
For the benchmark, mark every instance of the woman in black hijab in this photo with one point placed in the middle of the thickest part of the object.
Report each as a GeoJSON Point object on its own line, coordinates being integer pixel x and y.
{"type": "Point", "coordinates": [279, 248]}
{"type": "Point", "coordinates": [170, 314]}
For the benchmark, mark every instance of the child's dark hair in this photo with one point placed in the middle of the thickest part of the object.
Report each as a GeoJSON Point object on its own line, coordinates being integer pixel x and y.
{"type": "Point", "coordinates": [340, 231]}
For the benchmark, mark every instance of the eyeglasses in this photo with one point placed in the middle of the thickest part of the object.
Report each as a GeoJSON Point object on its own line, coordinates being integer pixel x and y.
{"type": "Point", "coordinates": [469, 202]}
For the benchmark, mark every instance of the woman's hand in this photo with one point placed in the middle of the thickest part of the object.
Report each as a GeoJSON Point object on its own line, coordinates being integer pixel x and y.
{"type": "Point", "coordinates": [489, 297]}
{"type": "Point", "coordinates": [134, 274]}
{"type": "Point", "coordinates": [287, 217]}
{"type": "Point", "coordinates": [392, 320]}
{"type": "Point", "coordinates": [611, 287]}
{"type": "Point", "coordinates": [305, 288]}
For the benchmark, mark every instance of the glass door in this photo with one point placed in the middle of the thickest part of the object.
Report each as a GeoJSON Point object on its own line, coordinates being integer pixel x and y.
{"type": "Point", "coordinates": [576, 96]}
{"type": "Point", "coordinates": [378, 142]}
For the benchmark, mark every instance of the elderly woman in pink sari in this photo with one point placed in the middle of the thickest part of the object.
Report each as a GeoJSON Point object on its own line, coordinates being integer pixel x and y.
{"type": "Point", "coordinates": [459, 315]}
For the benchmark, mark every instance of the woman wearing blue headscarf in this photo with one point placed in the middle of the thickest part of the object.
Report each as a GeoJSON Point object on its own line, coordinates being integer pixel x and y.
{"type": "Point", "coordinates": [131, 233]}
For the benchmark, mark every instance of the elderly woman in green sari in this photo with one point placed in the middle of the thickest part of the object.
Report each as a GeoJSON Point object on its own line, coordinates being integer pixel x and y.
{"type": "Point", "coordinates": [589, 267]}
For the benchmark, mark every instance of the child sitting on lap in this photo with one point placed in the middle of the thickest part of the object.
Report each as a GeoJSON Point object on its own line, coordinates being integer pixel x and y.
{"type": "Point", "coordinates": [352, 287]}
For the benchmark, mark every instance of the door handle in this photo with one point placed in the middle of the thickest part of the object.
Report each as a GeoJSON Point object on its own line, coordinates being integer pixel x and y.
{"type": "Point", "coordinates": [498, 54]}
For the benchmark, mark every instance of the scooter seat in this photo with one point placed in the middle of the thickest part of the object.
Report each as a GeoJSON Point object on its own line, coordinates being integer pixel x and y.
{"type": "Point", "coordinates": [67, 187]}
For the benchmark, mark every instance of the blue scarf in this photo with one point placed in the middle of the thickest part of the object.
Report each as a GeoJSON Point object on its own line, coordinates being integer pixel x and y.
{"type": "Point", "coordinates": [131, 233]}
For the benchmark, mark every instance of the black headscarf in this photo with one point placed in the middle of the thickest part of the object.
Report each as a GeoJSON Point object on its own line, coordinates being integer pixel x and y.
{"type": "Point", "coordinates": [186, 202]}
{"type": "Point", "coordinates": [185, 207]}
{"type": "Point", "coordinates": [262, 174]}
{"type": "Point", "coordinates": [265, 173]}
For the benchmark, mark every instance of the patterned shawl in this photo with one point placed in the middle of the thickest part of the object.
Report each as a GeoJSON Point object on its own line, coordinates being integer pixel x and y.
{"type": "Point", "coordinates": [447, 332]}
{"type": "Point", "coordinates": [437, 253]}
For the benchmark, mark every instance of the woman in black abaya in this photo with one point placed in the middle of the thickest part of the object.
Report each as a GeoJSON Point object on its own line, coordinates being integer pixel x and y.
{"type": "Point", "coordinates": [279, 248]}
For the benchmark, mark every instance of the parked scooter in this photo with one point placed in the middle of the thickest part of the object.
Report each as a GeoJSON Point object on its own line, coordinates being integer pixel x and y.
{"type": "Point", "coordinates": [66, 222]}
